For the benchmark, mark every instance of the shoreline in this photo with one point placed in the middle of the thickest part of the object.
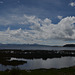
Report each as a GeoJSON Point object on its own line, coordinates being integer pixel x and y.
{"type": "Point", "coordinates": [5, 55]}
{"type": "Point", "coordinates": [53, 71]}
{"type": "Point", "coordinates": [31, 54]}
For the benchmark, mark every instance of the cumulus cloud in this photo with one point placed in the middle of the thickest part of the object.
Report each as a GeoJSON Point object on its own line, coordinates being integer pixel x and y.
{"type": "Point", "coordinates": [41, 31]}
{"type": "Point", "coordinates": [15, 19]}
{"type": "Point", "coordinates": [72, 4]}
{"type": "Point", "coordinates": [60, 17]}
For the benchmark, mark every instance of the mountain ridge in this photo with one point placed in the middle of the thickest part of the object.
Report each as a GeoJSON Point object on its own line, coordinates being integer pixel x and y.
{"type": "Point", "coordinates": [66, 45]}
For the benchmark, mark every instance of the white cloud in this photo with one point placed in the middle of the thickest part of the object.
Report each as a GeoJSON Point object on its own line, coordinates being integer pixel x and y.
{"type": "Point", "coordinates": [15, 19]}
{"type": "Point", "coordinates": [60, 17]}
{"type": "Point", "coordinates": [41, 31]}
{"type": "Point", "coordinates": [72, 4]}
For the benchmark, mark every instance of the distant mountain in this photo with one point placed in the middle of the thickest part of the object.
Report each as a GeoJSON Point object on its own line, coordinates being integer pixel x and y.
{"type": "Point", "coordinates": [69, 45]}
{"type": "Point", "coordinates": [22, 45]}
{"type": "Point", "coordinates": [28, 45]}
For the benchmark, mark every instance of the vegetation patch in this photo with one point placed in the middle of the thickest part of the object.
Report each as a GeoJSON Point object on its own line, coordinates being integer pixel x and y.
{"type": "Point", "coordinates": [63, 71]}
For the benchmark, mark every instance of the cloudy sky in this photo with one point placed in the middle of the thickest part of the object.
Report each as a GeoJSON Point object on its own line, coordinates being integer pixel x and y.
{"type": "Point", "coordinates": [48, 22]}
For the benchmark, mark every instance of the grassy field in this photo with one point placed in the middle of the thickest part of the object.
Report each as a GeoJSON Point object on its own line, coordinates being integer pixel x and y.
{"type": "Point", "coordinates": [64, 71]}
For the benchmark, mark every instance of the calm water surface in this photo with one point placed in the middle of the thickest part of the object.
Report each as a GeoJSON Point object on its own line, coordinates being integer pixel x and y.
{"type": "Point", "coordinates": [40, 63]}
{"type": "Point", "coordinates": [37, 48]}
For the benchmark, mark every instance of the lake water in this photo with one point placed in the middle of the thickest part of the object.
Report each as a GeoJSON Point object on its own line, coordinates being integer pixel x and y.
{"type": "Point", "coordinates": [40, 63]}
{"type": "Point", "coordinates": [36, 47]}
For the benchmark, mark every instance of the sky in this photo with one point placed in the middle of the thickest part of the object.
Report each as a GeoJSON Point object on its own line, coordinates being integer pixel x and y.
{"type": "Point", "coordinates": [47, 22]}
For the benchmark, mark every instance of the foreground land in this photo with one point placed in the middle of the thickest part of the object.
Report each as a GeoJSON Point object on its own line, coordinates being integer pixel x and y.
{"type": "Point", "coordinates": [64, 71]}
{"type": "Point", "coordinates": [31, 54]}
{"type": "Point", "coordinates": [5, 55]}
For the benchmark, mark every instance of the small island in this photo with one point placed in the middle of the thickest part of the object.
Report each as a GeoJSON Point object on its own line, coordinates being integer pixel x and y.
{"type": "Point", "coordinates": [69, 45]}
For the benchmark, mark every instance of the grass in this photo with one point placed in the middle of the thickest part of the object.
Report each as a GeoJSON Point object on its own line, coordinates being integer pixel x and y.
{"type": "Point", "coordinates": [64, 71]}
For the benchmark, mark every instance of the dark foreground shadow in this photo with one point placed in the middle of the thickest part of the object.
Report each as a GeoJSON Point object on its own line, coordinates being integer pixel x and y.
{"type": "Point", "coordinates": [5, 62]}
{"type": "Point", "coordinates": [17, 71]}
{"type": "Point", "coordinates": [36, 54]}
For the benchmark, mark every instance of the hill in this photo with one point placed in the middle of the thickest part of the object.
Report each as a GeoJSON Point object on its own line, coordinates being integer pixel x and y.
{"type": "Point", "coordinates": [69, 45]}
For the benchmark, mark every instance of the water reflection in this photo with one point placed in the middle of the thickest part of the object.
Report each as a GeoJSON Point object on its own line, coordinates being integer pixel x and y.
{"type": "Point", "coordinates": [51, 63]}
{"type": "Point", "coordinates": [40, 63]}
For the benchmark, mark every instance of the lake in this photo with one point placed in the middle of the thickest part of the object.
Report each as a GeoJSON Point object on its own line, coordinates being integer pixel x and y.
{"type": "Point", "coordinates": [40, 63]}
{"type": "Point", "coordinates": [35, 47]}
